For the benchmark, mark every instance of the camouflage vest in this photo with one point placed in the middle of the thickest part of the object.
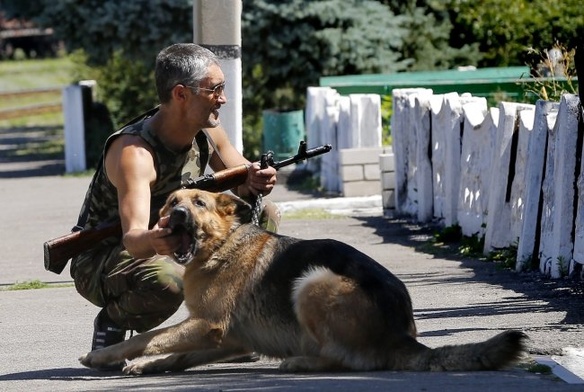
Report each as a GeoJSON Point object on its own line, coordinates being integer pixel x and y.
{"type": "Point", "coordinates": [172, 168]}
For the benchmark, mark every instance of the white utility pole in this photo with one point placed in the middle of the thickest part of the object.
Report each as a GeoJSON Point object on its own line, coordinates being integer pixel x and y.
{"type": "Point", "coordinates": [217, 26]}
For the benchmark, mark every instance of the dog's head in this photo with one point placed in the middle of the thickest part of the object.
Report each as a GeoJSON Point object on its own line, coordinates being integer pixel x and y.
{"type": "Point", "coordinates": [203, 220]}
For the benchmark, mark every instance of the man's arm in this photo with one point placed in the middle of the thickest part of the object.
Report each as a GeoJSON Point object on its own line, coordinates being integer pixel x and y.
{"type": "Point", "coordinates": [226, 156]}
{"type": "Point", "coordinates": [130, 167]}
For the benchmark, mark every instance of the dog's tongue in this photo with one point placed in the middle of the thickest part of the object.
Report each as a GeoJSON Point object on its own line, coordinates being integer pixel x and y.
{"type": "Point", "coordinates": [185, 243]}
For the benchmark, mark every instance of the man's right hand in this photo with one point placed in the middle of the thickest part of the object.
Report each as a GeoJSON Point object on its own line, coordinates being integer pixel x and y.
{"type": "Point", "coordinates": [162, 239]}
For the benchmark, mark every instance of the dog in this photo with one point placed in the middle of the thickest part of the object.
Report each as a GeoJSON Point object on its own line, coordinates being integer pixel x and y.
{"type": "Point", "coordinates": [320, 305]}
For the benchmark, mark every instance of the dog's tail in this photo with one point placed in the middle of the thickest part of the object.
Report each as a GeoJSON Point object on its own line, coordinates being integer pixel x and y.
{"type": "Point", "coordinates": [496, 353]}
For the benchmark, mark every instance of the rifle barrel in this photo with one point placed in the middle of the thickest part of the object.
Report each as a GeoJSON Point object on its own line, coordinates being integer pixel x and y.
{"type": "Point", "coordinates": [303, 155]}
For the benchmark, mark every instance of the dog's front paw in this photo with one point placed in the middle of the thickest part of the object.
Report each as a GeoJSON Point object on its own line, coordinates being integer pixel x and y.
{"type": "Point", "coordinates": [98, 360]}
{"type": "Point", "coordinates": [135, 369]}
{"type": "Point", "coordinates": [87, 360]}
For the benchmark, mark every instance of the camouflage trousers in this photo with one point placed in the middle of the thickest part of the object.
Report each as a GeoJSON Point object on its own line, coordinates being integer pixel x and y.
{"type": "Point", "coordinates": [138, 294]}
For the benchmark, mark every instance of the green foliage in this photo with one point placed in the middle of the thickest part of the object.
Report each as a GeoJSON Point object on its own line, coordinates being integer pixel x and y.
{"type": "Point", "coordinates": [472, 246]}
{"type": "Point", "coordinates": [127, 86]}
{"type": "Point", "coordinates": [428, 40]}
{"type": "Point", "coordinates": [449, 234]}
{"type": "Point", "coordinates": [504, 29]}
{"type": "Point", "coordinates": [537, 368]}
{"type": "Point", "coordinates": [125, 89]}
{"type": "Point", "coordinates": [289, 45]}
{"type": "Point", "coordinates": [563, 266]}
{"type": "Point", "coordinates": [467, 246]}
{"type": "Point", "coordinates": [138, 28]}
{"type": "Point", "coordinates": [553, 76]}
{"type": "Point", "coordinates": [505, 257]}
{"type": "Point", "coordinates": [386, 112]}
{"type": "Point", "coordinates": [33, 285]}
{"type": "Point", "coordinates": [311, 213]}
{"type": "Point", "coordinates": [27, 285]}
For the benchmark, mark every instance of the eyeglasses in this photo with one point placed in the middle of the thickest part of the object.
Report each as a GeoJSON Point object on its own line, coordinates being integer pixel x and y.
{"type": "Point", "coordinates": [217, 91]}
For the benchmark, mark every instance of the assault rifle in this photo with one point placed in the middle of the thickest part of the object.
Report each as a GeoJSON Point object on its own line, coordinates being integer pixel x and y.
{"type": "Point", "coordinates": [59, 250]}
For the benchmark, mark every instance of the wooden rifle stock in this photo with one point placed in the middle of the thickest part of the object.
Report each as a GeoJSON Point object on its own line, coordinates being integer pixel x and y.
{"type": "Point", "coordinates": [58, 251]}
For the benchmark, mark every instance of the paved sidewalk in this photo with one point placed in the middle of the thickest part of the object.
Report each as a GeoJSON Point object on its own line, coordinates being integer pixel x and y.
{"type": "Point", "coordinates": [42, 332]}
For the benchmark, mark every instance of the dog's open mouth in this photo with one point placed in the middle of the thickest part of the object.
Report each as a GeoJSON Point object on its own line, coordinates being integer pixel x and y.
{"type": "Point", "coordinates": [187, 248]}
{"type": "Point", "coordinates": [179, 223]}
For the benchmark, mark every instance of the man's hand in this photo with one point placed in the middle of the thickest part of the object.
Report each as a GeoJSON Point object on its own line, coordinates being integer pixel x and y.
{"type": "Point", "coordinates": [260, 180]}
{"type": "Point", "coordinates": [161, 238]}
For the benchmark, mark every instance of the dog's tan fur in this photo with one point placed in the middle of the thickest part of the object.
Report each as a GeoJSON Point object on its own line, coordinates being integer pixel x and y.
{"type": "Point", "coordinates": [321, 305]}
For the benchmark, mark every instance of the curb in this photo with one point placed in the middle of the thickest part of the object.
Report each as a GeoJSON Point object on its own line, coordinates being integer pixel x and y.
{"type": "Point", "coordinates": [333, 204]}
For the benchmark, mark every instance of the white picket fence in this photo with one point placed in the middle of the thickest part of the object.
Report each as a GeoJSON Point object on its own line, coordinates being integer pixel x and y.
{"type": "Point", "coordinates": [512, 174]}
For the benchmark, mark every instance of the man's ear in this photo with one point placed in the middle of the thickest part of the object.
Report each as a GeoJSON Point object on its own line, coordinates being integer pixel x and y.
{"type": "Point", "coordinates": [179, 92]}
{"type": "Point", "coordinates": [233, 205]}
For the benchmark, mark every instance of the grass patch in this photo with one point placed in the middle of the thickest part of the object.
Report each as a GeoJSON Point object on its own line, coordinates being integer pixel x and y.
{"type": "Point", "coordinates": [38, 98]}
{"type": "Point", "coordinates": [37, 120]}
{"type": "Point", "coordinates": [33, 135]}
{"type": "Point", "coordinates": [36, 74]}
{"type": "Point", "coordinates": [450, 240]}
{"type": "Point", "coordinates": [506, 258]}
{"type": "Point", "coordinates": [310, 213]}
{"type": "Point", "coordinates": [27, 285]}
{"type": "Point", "coordinates": [33, 285]}
{"type": "Point", "coordinates": [534, 367]}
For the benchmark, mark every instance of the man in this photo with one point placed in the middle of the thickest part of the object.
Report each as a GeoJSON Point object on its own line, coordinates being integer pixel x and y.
{"type": "Point", "coordinates": [132, 278]}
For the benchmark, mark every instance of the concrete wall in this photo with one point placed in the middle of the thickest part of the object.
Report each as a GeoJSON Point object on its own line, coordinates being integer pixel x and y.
{"type": "Point", "coordinates": [387, 166]}
{"type": "Point", "coordinates": [512, 174]}
{"type": "Point", "coordinates": [352, 125]}
{"type": "Point", "coordinates": [359, 171]}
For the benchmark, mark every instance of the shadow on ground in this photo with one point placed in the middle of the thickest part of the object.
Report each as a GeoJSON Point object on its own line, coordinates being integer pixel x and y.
{"type": "Point", "coordinates": [564, 295]}
{"type": "Point", "coordinates": [31, 151]}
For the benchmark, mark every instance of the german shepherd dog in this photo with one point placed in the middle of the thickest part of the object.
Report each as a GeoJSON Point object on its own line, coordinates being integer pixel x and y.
{"type": "Point", "coordinates": [320, 305]}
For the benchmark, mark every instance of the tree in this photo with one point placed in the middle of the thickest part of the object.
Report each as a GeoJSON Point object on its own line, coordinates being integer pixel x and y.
{"type": "Point", "coordinates": [101, 28]}
{"type": "Point", "coordinates": [289, 45]}
{"type": "Point", "coordinates": [428, 41]}
{"type": "Point", "coordinates": [506, 30]}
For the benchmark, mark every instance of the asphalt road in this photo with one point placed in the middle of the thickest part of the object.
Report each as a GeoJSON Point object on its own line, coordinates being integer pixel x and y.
{"type": "Point", "coordinates": [43, 332]}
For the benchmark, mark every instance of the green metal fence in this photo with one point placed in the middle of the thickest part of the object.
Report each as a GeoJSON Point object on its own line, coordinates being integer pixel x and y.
{"type": "Point", "coordinates": [484, 82]}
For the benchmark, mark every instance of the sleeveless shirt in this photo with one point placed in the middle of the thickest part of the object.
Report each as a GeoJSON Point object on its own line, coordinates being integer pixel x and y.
{"type": "Point", "coordinates": [172, 171]}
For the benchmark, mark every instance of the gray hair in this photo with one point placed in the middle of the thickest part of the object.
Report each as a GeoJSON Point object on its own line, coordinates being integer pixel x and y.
{"type": "Point", "coordinates": [185, 63]}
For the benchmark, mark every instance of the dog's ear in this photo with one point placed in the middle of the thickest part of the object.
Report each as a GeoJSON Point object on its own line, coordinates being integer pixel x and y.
{"type": "Point", "coordinates": [233, 205]}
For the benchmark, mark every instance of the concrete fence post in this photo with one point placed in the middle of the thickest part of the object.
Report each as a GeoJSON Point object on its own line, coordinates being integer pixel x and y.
{"type": "Point", "coordinates": [498, 228]}
{"type": "Point", "coordinates": [74, 106]}
{"type": "Point", "coordinates": [475, 165]}
{"type": "Point", "coordinates": [404, 149]}
{"type": "Point", "coordinates": [423, 164]}
{"type": "Point", "coordinates": [543, 122]}
{"type": "Point", "coordinates": [556, 246]}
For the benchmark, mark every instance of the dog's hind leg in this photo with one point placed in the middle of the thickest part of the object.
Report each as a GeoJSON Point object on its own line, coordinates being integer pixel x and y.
{"type": "Point", "coordinates": [180, 362]}
{"type": "Point", "coordinates": [189, 335]}
{"type": "Point", "coordinates": [343, 328]}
